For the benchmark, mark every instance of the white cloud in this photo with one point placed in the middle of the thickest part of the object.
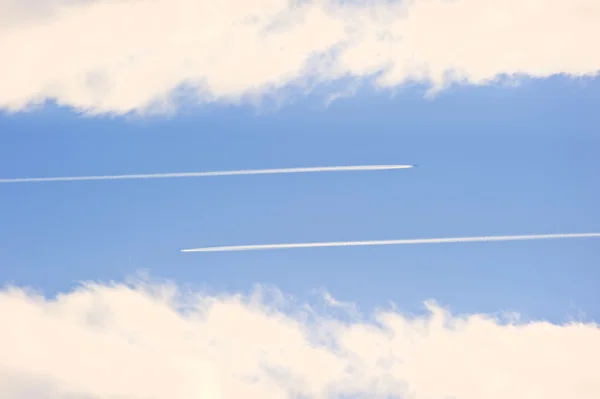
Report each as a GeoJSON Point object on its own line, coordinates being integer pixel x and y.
{"type": "Point", "coordinates": [151, 341]}
{"type": "Point", "coordinates": [120, 56]}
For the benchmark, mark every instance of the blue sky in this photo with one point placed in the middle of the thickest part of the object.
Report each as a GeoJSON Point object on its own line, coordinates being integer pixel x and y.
{"type": "Point", "coordinates": [493, 160]}
{"type": "Point", "coordinates": [495, 105]}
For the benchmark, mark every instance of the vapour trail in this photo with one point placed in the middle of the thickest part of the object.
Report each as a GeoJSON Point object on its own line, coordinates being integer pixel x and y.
{"type": "Point", "coordinates": [391, 242]}
{"type": "Point", "coordinates": [317, 169]}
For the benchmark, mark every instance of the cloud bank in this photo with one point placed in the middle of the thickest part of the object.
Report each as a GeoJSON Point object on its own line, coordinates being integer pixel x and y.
{"type": "Point", "coordinates": [119, 56]}
{"type": "Point", "coordinates": [144, 340]}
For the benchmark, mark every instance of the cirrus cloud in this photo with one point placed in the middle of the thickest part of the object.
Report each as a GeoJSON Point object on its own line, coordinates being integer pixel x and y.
{"type": "Point", "coordinates": [143, 340]}
{"type": "Point", "coordinates": [120, 56]}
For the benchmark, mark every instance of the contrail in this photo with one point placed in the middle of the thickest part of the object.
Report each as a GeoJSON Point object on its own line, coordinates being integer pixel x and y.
{"type": "Point", "coordinates": [391, 242]}
{"type": "Point", "coordinates": [210, 174]}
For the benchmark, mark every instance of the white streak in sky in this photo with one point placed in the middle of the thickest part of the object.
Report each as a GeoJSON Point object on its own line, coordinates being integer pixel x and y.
{"type": "Point", "coordinates": [391, 242]}
{"type": "Point", "coordinates": [210, 174]}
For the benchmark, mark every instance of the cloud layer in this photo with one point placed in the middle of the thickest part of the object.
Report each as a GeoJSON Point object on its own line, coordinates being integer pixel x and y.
{"type": "Point", "coordinates": [147, 340]}
{"type": "Point", "coordinates": [120, 56]}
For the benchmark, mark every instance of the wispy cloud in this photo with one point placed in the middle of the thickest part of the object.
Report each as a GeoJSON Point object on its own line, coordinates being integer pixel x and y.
{"type": "Point", "coordinates": [153, 341]}
{"type": "Point", "coordinates": [123, 55]}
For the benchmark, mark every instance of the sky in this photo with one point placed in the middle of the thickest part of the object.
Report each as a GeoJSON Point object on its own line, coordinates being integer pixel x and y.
{"type": "Point", "coordinates": [494, 104]}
